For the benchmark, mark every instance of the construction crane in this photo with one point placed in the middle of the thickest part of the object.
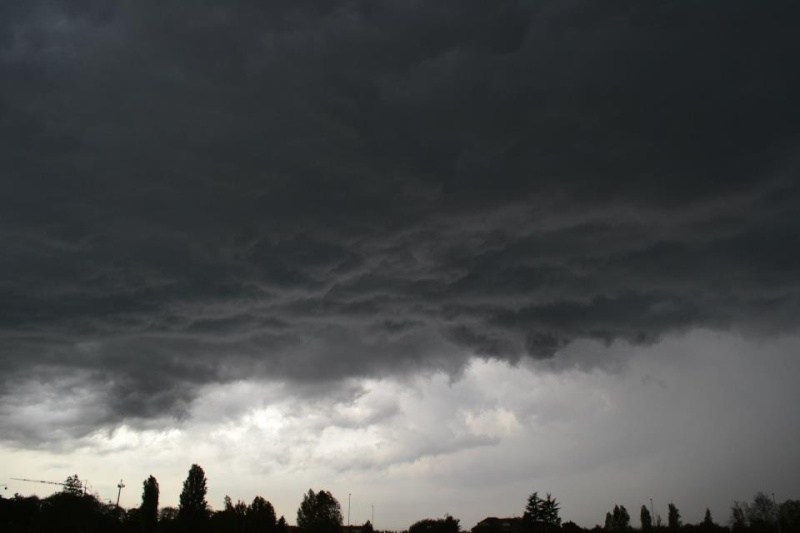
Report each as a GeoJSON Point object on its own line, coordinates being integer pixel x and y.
{"type": "Point", "coordinates": [83, 485]}
{"type": "Point", "coordinates": [120, 486]}
{"type": "Point", "coordinates": [39, 481]}
{"type": "Point", "coordinates": [71, 485]}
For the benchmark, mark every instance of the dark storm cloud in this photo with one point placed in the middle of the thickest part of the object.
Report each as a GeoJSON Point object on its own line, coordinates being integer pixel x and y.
{"type": "Point", "coordinates": [195, 194]}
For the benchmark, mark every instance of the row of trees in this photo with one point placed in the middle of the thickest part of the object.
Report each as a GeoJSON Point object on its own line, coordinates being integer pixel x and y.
{"type": "Point", "coordinates": [764, 515]}
{"type": "Point", "coordinates": [539, 515]}
{"type": "Point", "coordinates": [194, 513]}
{"type": "Point", "coordinates": [619, 520]}
{"type": "Point", "coordinates": [761, 515]}
{"type": "Point", "coordinates": [75, 510]}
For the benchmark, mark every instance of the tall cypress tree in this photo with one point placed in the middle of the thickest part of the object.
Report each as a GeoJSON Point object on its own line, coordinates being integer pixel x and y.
{"type": "Point", "coordinates": [149, 508]}
{"type": "Point", "coordinates": [673, 517]}
{"type": "Point", "coordinates": [647, 520]}
{"type": "Point", "coordinates": [193, 508]}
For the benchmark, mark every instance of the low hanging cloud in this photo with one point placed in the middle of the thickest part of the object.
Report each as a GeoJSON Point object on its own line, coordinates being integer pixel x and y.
{"type": "Point", "coordinates": [343, 190]}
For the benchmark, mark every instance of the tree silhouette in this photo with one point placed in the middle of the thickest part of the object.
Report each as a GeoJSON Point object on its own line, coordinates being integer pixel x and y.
{"type": "Point", "coordinates": [708, 522]}
{"type": "Point", "coordinates": [549, 511]}
{"type": "Point", "coordinates": [149, 508]}
{"type": "Point", "coordinates": [193, 508]}
{"type": "Point", "coordinates": [167, 514]}
{"type": "Point", "coordinates": [281, 526]}
{"type": "Point", "coordinates": [645, 518]}
{"type": "Point", "coordinates": [533, 509]}
{"type": "Point", "coordinates": [789, 516]}
{"type": "Point", "coordinates": [73, 485]}
{"type": "Point", "coordinates": [619, 520]}
{"type": "Point", "coordinates": [260, 517]}
{"type": "Point", "coordinates": [761, 513]}
{"type": "Point", "coordinates": [448, 524]}
{"type": "Point", "coordinates": [738, 517]}
{"type": "Point", "coordinates": [622, 518]}
{"type": "Point", "coordinates": [231, 518]}
{"type": "Point", "coordinates": [319, 513]}
{"type": "Point", "coordinates": [168, 519]}
{"type": "Point", "coordinates": [673, 517]}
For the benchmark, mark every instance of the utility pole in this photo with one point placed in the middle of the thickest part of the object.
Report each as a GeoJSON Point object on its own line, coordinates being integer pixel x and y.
{"type": "Point", "coordinates": [120, 486]}
{"type": "Point", "coordinates": [348, 509]}
{"type": "Point", "coordinates": [373, 517]}
{"type": "Point", "coordinates": [652, 514]}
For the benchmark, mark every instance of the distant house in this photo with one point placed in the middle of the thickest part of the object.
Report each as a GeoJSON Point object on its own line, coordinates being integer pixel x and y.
{"type": "Point", "coordinates": [498, 525]}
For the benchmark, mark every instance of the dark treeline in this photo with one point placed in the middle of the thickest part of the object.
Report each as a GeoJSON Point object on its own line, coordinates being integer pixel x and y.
{"type": "Point", "coordinates": [75, 510]}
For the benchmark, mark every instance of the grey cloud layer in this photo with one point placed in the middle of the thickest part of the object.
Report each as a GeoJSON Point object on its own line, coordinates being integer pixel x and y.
{"type": "Point", "coordinates": [196, 195]}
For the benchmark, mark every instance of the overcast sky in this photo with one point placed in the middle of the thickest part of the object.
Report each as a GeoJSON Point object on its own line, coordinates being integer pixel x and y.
{"type": "Point", "coordinates": [436, 255]}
